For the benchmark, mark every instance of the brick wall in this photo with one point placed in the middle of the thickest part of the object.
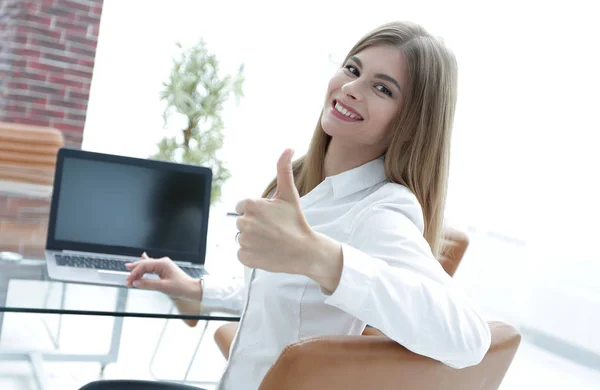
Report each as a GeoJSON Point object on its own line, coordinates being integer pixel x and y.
{"type": "Point", "coordinates": [47, 51]}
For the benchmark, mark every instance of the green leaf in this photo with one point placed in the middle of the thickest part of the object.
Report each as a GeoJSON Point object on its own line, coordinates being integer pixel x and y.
{"type": "Point", "coordinates": [196, 89]}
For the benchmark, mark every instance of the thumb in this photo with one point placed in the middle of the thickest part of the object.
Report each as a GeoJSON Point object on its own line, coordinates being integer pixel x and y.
{"type": "Point", "coordinates": [286, 187]}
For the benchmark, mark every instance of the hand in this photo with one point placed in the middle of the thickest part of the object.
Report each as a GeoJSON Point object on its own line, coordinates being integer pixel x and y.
{"type": "Point", "coordinates": [275, 236]}
{"type": "Point", "coordinates": [173, 281]}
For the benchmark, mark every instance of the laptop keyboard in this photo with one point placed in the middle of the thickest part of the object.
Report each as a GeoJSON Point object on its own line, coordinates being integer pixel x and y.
{"type": "Point", "coordinates": [110, 264]}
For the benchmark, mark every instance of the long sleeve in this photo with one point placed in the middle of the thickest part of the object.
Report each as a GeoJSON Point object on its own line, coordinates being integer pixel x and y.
{"type": "Point", "coordinates": [391, 281]}
{"type": "Point", "coordinates": [223, 292]}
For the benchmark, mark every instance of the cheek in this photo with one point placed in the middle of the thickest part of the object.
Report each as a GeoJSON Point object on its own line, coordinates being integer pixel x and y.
{"type": "Point", "coordinates": [382, 115]}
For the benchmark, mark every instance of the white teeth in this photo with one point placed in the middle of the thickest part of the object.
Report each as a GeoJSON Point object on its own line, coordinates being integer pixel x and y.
{"type": "Point", "coordinates": [344, 111]}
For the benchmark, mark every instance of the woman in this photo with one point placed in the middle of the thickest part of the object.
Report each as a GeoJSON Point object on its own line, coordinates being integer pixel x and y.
{"type": "Point", "coordinates": [348, 234]}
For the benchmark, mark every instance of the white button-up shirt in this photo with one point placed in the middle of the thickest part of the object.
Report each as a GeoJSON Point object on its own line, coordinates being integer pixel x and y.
{"type": "Point", "coordinates": [390, 280]}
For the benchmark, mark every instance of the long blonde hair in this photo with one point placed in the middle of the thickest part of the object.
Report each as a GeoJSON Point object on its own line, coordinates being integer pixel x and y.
{"type": "Point", "coordinates": [419, 151]}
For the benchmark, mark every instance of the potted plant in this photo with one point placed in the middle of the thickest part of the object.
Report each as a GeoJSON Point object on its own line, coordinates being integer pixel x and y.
{"type": "Point", "coordinates": [197, 91]}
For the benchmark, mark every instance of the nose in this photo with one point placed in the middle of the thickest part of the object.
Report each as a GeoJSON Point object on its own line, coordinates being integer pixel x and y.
{"type": "Point", "coordinates": [352, 91]}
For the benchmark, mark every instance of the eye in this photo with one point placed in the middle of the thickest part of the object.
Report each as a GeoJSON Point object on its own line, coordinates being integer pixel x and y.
{"type": "Point", "coordinates": [383, 89]}
{"type": "Point", "coordinates": [352, 69]}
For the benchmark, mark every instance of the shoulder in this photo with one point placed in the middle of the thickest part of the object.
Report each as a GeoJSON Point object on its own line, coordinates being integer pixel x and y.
{"type": "Point", "coordinates": [393, 199]}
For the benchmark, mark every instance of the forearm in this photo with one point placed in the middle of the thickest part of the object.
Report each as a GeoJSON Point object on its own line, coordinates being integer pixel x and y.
{"type": "Point", "coordinates": [418, 307]}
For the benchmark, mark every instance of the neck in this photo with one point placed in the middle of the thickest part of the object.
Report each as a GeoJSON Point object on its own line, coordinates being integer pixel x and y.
{"type": "Point", "coordinates": [342, 157]}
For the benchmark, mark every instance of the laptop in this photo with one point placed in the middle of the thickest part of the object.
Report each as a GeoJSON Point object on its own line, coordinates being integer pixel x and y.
{"type": "Point", "coordinates": [107, 210]}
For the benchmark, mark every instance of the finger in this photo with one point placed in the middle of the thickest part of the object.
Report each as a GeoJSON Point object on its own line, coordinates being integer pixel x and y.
{"type": "Point", "coordinates": [150, 284]}
{"type": "Point", "coordinates": [141, 268]}
{"type": "Point", "coordinates": [242, 223]}
{"type": "Point", "coordinates": [134, 264]}
{"type": "Point", "coordinates": [286, 186]}
{"type": "Point", "coordinates": [244, 256]}
{"type": "Point", "coordinates": [145, 257]}
{"type": "Point", "coordinates": [241, 240]}
{"type": "Point", "coordinates": [239, 207]}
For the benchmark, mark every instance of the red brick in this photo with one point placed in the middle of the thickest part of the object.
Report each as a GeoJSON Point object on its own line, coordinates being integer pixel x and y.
{"type": "Point", "coordinates": [20, 63]}
{"type": "Point", "coordinates": [45, 67]}
{"type": "Point", "coordinates": [18, 85]}
{"type": "Point", "coordinates": [63, 103]}
{"type": "Point", "coordinates": [77, 117]}
{"type": "Point", "coordinates": [16, 108]}
{"type": "Point", "coordinates": [88, 62]}
{"type": "Point", "coordinates": [40, 19]}
{"type": "Point", "coordinates": [78, 95]}
{"type": "Point", "coordinates": [29, 53]}
{"type": "Point", "coordinates": [43, 30]}
{"type": "Point", "coordinates": [60, 80]}
{"type": "Point", "coordinates": [57, 9]}
{"type": "Point", "coordinates": [27, 98]}
{"type": "Point", "coordinates": [30, 75]}
{"type": "Point", "coordinates": [32, 7]}
{"type": "Point", "coordinates": [27, 120]}
{"type": "Point", "coordinates": [37, 113]}
{"type": "Point", "coordinates": [88, 19]}
{"type": "Point", "coordinates": [68, 128]}
{"type": "Point", "coordinates": [72, 26]}
{"type": "Point", "coordinates": [82, 50]}
{"type": "Point", "coordinates": [21, 39]}
{"type": "Point", "coordinates": [58, 57]}
{"type": "Point", "coordinates": [50, 43]}
{"type": "Point", "coordinates": [73, 5]}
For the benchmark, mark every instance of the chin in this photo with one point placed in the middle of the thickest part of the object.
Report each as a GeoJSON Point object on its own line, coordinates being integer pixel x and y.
{"type": "Point", "coordinates": [330, 127]}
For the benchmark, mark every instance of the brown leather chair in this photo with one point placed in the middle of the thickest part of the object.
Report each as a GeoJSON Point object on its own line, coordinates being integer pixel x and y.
{"type": "Point", "coordinates": [28, 153]}
{"type": "Point", "coordinates": [376, 362]}
{"type": "Point", "coordinates": [27, 164]}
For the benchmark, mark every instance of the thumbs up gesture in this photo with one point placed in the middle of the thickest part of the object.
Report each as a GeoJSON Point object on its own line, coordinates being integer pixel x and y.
{"type": "Point", "coordinates": [274, 235]}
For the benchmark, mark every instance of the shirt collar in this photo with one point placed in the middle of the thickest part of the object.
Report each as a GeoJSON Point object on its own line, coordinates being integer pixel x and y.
{"type": "Point", "coordinates": [359, 178]}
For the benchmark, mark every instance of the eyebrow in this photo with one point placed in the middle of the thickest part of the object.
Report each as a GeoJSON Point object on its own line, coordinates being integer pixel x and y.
{"type": "Point", "coordinates": [378, 75]}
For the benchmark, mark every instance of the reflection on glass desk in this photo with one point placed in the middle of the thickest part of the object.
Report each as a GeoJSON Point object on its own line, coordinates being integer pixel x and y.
{"type": "Point", "coordinates": [26, 288]}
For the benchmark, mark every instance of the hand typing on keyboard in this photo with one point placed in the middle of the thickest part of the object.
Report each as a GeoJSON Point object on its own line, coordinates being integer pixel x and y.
{"type": "Point", "coordinates": [173, 280]}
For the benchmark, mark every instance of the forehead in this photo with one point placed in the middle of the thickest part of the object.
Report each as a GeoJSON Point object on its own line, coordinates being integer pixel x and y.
{"type": "Point", "coordinates": [383, 59]}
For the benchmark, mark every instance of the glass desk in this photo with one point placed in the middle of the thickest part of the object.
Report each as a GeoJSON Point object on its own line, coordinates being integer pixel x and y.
{"type": "Point", "coordinates": [26, 288]}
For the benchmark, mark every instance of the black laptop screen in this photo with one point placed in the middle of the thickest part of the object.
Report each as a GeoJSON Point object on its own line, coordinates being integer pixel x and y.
{"type": "Point", "coordinates": [120, 205]}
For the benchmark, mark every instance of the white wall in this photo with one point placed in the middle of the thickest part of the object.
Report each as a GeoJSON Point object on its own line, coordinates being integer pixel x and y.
{"type": "Point", "coordinates": [524, 161]}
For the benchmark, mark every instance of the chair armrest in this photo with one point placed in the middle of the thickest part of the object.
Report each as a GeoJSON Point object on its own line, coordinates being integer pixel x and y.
{"type": "Point", "coordinates": [224, 336]}
{"type": "Point", "coordinates": [376, 362]}
{"type": "Point", "coordinates": [454, 247]}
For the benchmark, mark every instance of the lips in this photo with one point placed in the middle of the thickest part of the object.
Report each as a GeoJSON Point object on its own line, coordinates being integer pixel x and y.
{"type": "Point", "coordinates": [346, 110]}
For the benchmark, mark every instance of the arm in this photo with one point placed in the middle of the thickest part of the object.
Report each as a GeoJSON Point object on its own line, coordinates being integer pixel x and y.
{"type": "Point", "coordinates": [223, 292]}
{"type": "Point", "coordinates": [226, 294]}
{"type": "Point", "coordinates": [387, 276]}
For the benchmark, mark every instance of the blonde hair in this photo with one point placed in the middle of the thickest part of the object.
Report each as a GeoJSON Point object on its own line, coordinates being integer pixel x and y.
{"type": "Point", "coordinates": [419, 151]}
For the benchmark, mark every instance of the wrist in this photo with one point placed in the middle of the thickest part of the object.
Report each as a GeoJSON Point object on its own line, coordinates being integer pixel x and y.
{"type": "Point", "coordinates": [195, 289]}
{"type": "Point", "coordinates": [326, 262]}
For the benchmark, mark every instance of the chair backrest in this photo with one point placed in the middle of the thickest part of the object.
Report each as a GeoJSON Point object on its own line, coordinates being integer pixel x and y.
{"type": "Point", "coordinates": [28, 153]}
{"type": "Point", "coordinates": [358, 362]}
{"type": "Point", "coordinates": [453, 249]}
{"type": "Point", "coordinates": [27, 165]}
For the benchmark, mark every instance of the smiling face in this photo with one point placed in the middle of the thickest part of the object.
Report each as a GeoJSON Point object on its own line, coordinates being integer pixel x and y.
{"type": "Point", "coordinates": [364, 96]}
